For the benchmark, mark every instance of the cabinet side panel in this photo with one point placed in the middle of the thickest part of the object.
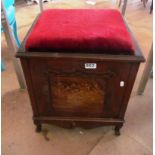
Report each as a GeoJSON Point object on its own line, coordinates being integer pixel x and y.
{"type": "Point", "coordinates": [126, 97]}
{"type": "Point", "coordinates": [29, 83]}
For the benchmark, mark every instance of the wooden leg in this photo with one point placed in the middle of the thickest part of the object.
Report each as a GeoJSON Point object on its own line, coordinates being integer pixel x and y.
{"type": "Point", "coordinates": [38, 127]}
{"type": "Point", "coordinates": [117, 130]}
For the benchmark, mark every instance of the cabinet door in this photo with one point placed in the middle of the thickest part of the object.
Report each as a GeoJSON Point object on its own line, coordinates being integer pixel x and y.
{"type": "Point", "coordinates": [79, 88]}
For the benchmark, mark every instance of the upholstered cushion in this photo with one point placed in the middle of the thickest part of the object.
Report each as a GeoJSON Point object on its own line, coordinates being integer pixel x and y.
{"type": "Point", "coordinates": [80, 30]}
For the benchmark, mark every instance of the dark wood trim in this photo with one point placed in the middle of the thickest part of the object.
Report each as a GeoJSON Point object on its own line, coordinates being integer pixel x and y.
{"type": "Point", "coordinates": [107, 74]}
{"type": "Point", "coordinates": [107, 121]}
{"type": "Point", "coordinates": [81, 56]}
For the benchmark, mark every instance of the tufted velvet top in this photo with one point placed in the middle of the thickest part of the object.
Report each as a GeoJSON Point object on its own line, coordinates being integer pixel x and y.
{"type": "Point", "coordinates": [80, 30]}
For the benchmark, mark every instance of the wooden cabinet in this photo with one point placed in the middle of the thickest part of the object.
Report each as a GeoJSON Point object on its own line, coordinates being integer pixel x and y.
{"type": "Point", "coordinates": [79, 89]}
{"type": "Point", "coordinates": [68, 88]}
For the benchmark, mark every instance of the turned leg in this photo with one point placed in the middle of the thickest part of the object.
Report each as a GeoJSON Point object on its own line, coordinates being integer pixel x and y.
{"type": "Point", "coordinates": [117, 130]}
{"type": "Point", "coordinates": [38, 127]}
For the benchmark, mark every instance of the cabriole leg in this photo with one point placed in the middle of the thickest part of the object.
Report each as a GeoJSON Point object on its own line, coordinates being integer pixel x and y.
{"type": "Point", "coordinates": [117, 130]}
{"type": "Point", "coordinates": [38, 127]}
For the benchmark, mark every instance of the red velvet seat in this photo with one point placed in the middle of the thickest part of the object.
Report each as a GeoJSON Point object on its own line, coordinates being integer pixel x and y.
{"type": "Point", "coordinates": [80, 30]}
